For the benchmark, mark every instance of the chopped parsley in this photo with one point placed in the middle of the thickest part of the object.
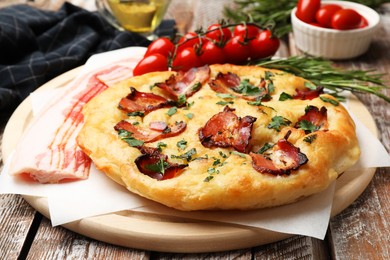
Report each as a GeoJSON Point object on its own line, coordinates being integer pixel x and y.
{"type": "Point", "coordinates": [330, 100]}
{"type": "Point", "coordinates": [137, 113]}
{"type": "Point", "coordinates": [186, 156]}
{"type": "Point", "coordinates": [181, 100]}
{"type": "Point", "coordinates": [284, 96]}
{"type": "Point", "coordinates": [161, 145]}
{"type": "Point", "coordinates": [248, 89]}
{"type": "Point", "coordinates": [310, 85]}
{"type": "Point", "coordinates": [310, 138]}
{"type": "Point", "coordinates": [223, 103]}
{"type": "Point", "coordinates": [196, 86]}
{"type": "Point", "coordinates": [264, 148]}
{"type": "Point", "coordinates": [157, 167]}
{"type": "Point", "coordinates": [182, 144]}
{"type": "Point", "coordinates": [239, 154]}
{"type": "Point", "coordinates": [222, 154]}
{"type": "Point", "coordinates": [172, 111]}
{"type": "Point", "coordinates": [208, 178]}
{"type": "Point", "coordinates": [190, 115]}
{"type": "Point", "coordinates": [129, 139]}
{"type": "Point", "coordinates": [277, 122]}
{"type": "Point", "coordinates": [225, 95]}
{"type": "Point", "coordinates": [307, 126]}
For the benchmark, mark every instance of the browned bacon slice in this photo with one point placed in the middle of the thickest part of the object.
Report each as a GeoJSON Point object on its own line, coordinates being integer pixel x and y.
{"type": "Point", "coordinates": [156, 165]}
{"type": "Point", "coordinates": [308, 94]}
{"type": "Point", "coordinates": [226, 129]}
{"type": "Point", "coordinates": [317, 117]}
{"type": "Point", "coordinates": [229, 83]}
{"type": "Point", "coordinates": [151, 134]}
{"type": "Point", "coordinates": [142, 102]}
{"type": "Point", "coordinates": [185, 83]}
{"type": "Point", "coordinates": [286, 157]}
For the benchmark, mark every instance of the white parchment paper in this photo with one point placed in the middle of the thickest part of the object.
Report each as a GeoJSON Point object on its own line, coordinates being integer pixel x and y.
{"type": "Point", "coordinates": [99, 195]}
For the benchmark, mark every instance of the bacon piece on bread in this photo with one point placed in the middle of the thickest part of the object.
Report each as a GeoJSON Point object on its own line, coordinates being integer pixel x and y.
{"type": "Point", "coordinates": [156, 165]}
{"type": "Point", "coordinates": [185, 83]}
{"type": "Point", "coordinates": [226, 129]}
{"type": "Point", "coordinates": [142, 102]}
{"type": "Point", "coordinates": [152, 134]}
{"type": "Point", "coordinates": [285, 158]}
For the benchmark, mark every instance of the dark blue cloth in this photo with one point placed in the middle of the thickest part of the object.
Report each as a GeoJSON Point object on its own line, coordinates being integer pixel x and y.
{"type": "Point", "coordinates": [37, 45]}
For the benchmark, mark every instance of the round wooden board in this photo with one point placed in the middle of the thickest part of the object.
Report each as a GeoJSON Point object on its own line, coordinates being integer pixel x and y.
{"type": "Point", "coordinates": [171, 234]}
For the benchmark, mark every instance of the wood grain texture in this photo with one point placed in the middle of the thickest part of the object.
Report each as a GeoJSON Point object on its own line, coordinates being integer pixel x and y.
{"type": "Point", "coordinates": [59, 243]}
{"type": "Point", "coordinates": [16, 219]}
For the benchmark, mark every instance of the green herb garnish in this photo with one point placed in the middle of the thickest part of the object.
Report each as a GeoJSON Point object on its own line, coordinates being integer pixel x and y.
{"type": "Point", "coordinates": [309, 139]}
{"type": "Point", "coordinates": [284, 96]}
{"type": "Point", "coordinates": [182, 144]}
{"type": "Point", "coordinates": [277, 122]}
{"type": "Point", "coordinates": [329, 100]}
{"type": "Point", "coordinates": [172, 111]}
{"type": "Point", "coordinates": [129, 139]}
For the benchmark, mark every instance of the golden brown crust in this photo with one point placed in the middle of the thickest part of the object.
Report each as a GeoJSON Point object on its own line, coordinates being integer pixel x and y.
{"type": "Point", "coordinates": [235, 183]}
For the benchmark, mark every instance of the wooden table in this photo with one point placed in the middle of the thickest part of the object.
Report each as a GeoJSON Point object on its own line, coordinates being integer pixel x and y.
{"type": "Point", "coordinates": [362, 231]}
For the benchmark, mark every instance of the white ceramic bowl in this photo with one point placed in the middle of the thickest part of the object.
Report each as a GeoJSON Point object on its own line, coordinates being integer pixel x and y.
{"type": "Point", "coordinates": [336, 44]}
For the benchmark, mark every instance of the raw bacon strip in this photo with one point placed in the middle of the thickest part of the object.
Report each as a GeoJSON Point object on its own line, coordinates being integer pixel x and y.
{"type": "Point", "coordinates": [226, 129]}
{"type": "Point", "coordinates": [156, 165]}
{"type": "Point", "coordinates": [151, 135]}
{"type": "Point", "coordinates": [186, 83]}
{"type": "Point", "coordinates": [143, 102]}
{"type": "Point", "coordinates": [228, 83]}
{"type": "Point", "coordinates": [286, 157]}
{"type": "Point", "coordinates": [308, 94]}
{"type": "Point", "coordinates": [55, 156]}
{"type": "Point", "coordinates": [317, 117]}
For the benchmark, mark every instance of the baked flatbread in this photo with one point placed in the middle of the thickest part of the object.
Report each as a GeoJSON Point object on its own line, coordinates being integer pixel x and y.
{"type": "Point", "coordinates": [219, 137]}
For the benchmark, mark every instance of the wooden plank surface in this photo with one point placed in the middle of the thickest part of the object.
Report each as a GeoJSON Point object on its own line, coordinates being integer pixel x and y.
{"type": "Point", "coordinates": [359, 232]}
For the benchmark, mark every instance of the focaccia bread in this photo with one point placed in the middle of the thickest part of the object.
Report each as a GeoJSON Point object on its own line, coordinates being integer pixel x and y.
{"type": "Point", "coordinates": [219, 137]}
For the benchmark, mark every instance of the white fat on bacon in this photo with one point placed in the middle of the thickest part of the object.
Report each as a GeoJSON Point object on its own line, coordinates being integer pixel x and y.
{"type": "Point", "coordinates": [47, 151]}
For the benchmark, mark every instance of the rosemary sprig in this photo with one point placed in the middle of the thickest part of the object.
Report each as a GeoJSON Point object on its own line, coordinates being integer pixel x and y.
{"type": "Point", "coordinates": [323, 73]}
{"type": "Point", "coordinates": [274, 15]}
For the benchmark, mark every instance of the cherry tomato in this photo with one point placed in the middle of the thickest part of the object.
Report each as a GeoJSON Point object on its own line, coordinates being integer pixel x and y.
{"type": "Point", "coordinates": [236, 50]}
{"type": "Point", "coordinates": [212, 54]}
{"type": "Point", "coordinates": [190, 39]}
{"type": "Point", "coordinates": [364, 23]}
{"type": "Point", "coordinates": [218, 35]}
{"type": "Point", "coordinates": [186, 59]}
{"type": "Point", "coordinates": [325, 13]}
{"type": "Point", "coordinates": [264, 45]}
{"type": "Point", "coordinates": [247, 31]}
{"type": "Point", "coordinates": [307, 9]}
{"type": "Point", "coordinates": [346, 19]}
{"type": "Point", "coordinates": [153, 62]}
{"type": "Point", "coordinates": [161, 45]}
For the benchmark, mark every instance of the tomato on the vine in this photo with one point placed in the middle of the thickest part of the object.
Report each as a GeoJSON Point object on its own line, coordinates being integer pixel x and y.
{"type": "Point", "coordinates": [325, 13]}
{"type": "Point", "coordinates": [190, 39]}
{"type": "Point", "coordinates": [151, 63]}
{"type": "Point", "coordinates": [186, 59]}
{"type": "Point", "coordinates": [346, 19]}
{"type": "Point", "coordinates": [211, 54]}
{"type": "Point", "coordinates": [218, 34]}
{"type": "Point", "coordinates": [236, 50]}
{"type": "Point", "coordinates": [307, 9]}
{"type": "Point", "coordinates": [248, 31]}
{"type": "Point", "coordinates": [264, 45]}
{"type": "Point", "coordinates": [162, 46]}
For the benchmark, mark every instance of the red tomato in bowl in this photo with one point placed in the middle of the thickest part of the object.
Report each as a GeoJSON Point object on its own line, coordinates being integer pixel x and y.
{"type": "Point", "coordinates": [151, 63]}
{"type": "Point", "coordinates": [325, 13]}
{"type": "Point", "coordinates": [307, 9]}
{"type": "Point", "coordinates": [346, 19]}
